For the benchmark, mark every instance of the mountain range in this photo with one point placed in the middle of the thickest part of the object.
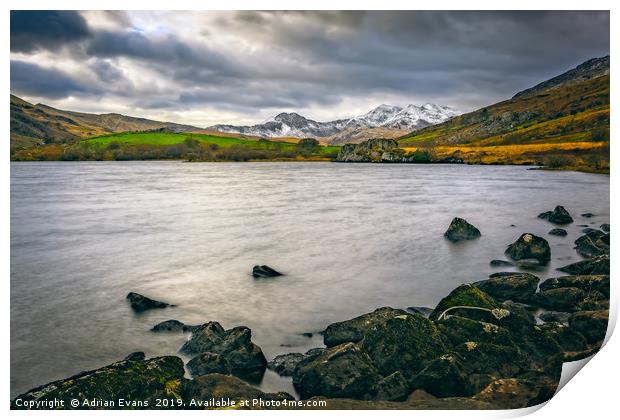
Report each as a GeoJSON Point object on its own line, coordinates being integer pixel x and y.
{"type": "Point", "coordinates": [383, 121]}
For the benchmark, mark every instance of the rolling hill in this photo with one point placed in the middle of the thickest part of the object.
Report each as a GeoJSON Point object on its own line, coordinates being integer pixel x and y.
{"type": "Point", "coordinates": [39, 124]}
{"type": "Point", "coordinates": [570, 111]}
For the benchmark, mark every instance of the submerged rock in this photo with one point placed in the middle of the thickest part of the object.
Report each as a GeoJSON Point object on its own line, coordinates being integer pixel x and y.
{"type": "Point", "coordinates": [558, 232]}
{"type": "Point", "coordinates": [142, 381]}
{"type": "Point", "coordinates": [344, 371]}
{"type": "Point", "coordinates": [587, 215]}
{"type": "Point", "coordinates": [594, 243]}
{"type": "Point", "coordinates": [519, 287]}
{"type": "Point", "coordinates": [559, 216]}
{"type": "Point", "coordinates": [136, 355]}
{"type": "Point", "coordinates": [530, 246]}
{"type": "Point", "coordinates": [594, 265]}
{"type": "Point", "coordinates": [174, 325]}
{"type": "Point", "coordinates": [264, 271]}
{"type": "Point", "coordinates": [353, 330]}
{"type": "Point", "coordinates": [501, 263]}
{"type": "Point", "coordinates": [460, 229]}
{"type": "Point", "coordinates": [284, 364]}
{"type": "Point", "coordinates": [141, 303]}
{"type": "Point", "coordinates": [207, 363]}
{"type": "Point", "coordinates": [235, 345]}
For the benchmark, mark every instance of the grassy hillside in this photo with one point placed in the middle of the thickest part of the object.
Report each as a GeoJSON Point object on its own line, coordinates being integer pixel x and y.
{"type": "Point", "coordinates": [39, 124]}
{"type": "Point", "coordinates": [188, 146]}
{"type": "Point", "coordinates": [540, 125]}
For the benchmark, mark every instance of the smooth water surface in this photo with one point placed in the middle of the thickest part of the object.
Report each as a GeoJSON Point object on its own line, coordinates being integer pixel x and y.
{"type": "Point", "coordinates": [350, 238]}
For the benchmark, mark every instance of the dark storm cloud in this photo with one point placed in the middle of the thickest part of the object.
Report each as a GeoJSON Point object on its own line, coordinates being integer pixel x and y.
{"type": "Point", "coordinates": [31, 79]}
{"type": "Point", "coordinates": [46, 29]}
{"type": "Point", "coordinates": [249, 61]}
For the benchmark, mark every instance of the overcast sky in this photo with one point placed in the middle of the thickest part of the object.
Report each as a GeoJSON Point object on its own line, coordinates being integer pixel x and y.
{"type": "Point", "coordinates": [204, 68]}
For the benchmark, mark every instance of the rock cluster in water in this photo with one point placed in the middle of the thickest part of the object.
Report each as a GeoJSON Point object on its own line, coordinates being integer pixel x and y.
{"type": "Point", "coordinates": [480, 348]}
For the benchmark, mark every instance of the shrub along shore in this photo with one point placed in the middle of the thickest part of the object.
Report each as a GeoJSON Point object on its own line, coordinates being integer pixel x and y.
{"type": "Point", "coordinates": [497, 343]}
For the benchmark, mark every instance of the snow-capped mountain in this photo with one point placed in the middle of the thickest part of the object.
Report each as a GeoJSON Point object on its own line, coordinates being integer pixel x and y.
{"type": "Point", "coordinates": [385, 119]}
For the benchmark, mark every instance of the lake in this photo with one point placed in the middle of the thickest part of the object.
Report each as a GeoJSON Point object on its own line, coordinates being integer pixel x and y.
{"type": "Point", "coordinates": [349, 237]}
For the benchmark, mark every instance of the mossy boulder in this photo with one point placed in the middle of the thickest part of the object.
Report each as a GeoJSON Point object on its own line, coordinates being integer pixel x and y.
{"type": "Point", "coordinates": [570, 299]}
{"type": "Point", "coordinates": [593, 243]}
{"type": "Point", "coordinates": [594, 265]}
{"type": "Point", "coordinates": [512, 393]}
{"type": "Point", "coordinates": [460, 230]}
{"type": "Point", "coordinates": [343, 371]}
{"type": "Point", "coordinates": [592, 324]}
{"type": "Point", "coordinates": [466, 295]}
{"type": "Point", "coordinates": [519, 287]}
{"type": "Point", "coordinates": [353, 330]}
{"type": "Point", "coordinates": [405, 343]}
{"type": "Point", "coordinates": [235, 345]}
{"type": "Point", "coordinates": [216, 386]}
{"type": "Point", "coordinates": [569, 339]}
{"type": "Point", "coordinates": [130, 380]}
{"type": "Point", "coordinates": [456, 330]}
{"type": "Point", "coordinates": [207, 363]}
{"type": "Point", "coordinates": [393, 387]}
{"type": "Point", "coordinates": [605, 227]}
{"type": "Point", "coordinates": [559, 216]}
{"type": "Point", "coordinates": [530, 246]}
{"type": "Point", "coordinates": [587, 283]}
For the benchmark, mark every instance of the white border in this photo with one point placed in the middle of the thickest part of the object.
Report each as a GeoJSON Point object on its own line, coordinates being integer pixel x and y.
{"type": "Point", "coordinates": [591, 395]}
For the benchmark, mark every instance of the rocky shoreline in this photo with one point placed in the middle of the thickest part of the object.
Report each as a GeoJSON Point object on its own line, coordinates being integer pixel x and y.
{"type": "Point", "coordinates": [496, 343]}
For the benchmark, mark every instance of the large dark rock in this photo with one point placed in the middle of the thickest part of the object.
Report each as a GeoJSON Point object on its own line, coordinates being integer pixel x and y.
{"type": "Point", "coordinates": [593, 243]}
{"type": "Point", "coordinates": [207, 363]}
{"type": "Point", "coordinates": [519, 287]}
{"type": "Point", "coordinates": [569, 339]}
{"type": "Point", "coordinates": [405, 343]}
{"type": "Point", "coordinates": [373, 150]}
{"type": "Point", "coordinates": [592, 324]}
{"type": "Point", "coordinates": [558, 232]}
{"type": "Point", "coordinates": [141, 303]}
{"type": "Point", "coordinates": [559, 216]}
{"type": "Point", "coordinates": [605, 227]}
{"type": "Point", "coordinates": [343, 371]}
{"type": "Point", "coordinates": [353, 330]}
{"type": "Point", "coordinates": [460, 299]}
{"type": "Point", "coordinates": [460, 230]}
{"type": "Point", "coordinates": [586, 283]}
{"type": "Point", "coordinates": [530, 246]}
{"type": "Point", "coordinates": [392, 388]}
{"type": "Point", "coordinates": [264, 271]}
{"type": "Point", "coordinates": [594, 265]}
{"type": "Point", "coordinates": [235, 345]}
{"type": "Point", "coordinates": [216, 387]}
{"type": "Point", "coordinates": [468, 369]}
{"type": "Point", "coordinates": [141, 381]}
{"type": "Point", "coordinates": [561, 299]}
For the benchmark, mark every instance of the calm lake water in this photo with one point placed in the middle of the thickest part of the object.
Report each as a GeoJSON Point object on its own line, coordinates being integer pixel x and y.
{"type": "Point", "coordinates": [350, 238]}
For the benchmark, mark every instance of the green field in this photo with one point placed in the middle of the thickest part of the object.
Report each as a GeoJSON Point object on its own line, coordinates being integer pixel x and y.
{"type": "Point", "coordinates": [168, 139]}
